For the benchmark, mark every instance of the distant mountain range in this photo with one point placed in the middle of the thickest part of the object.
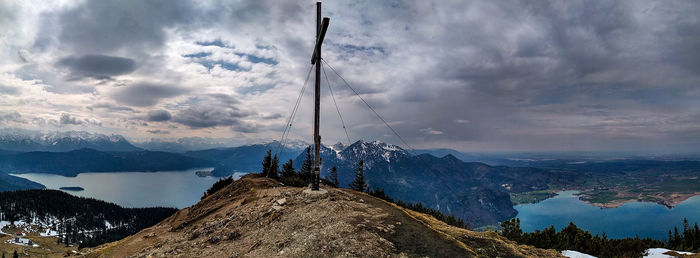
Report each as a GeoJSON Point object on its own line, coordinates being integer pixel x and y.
{"type": "Point", "coordinates": [245, 158]}
{"type": "Point", "coordinates": [184, 144]}
{"type": "Point", "coordinates": [72, 163]}
{"type": "Point", "coordinates": [25, 141]}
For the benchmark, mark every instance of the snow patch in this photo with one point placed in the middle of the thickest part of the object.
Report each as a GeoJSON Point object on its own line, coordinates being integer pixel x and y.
{"type": "Point", "coordinates": [576, 254]}
{"type": "Point", "coordinates": [48, 232]}
{"type": "Point", "coordinates": [21, 241]}
{"type": "Point", "coordinates": [659, 253]}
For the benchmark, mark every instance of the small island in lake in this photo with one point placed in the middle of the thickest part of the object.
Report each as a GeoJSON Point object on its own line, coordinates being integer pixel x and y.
{"type": "Point", "coordinates": [72, 188]}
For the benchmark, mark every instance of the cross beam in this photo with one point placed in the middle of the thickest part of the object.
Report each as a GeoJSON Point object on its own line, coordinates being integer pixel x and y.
{"type": "Point", "coordinates": [319, 41]}
{"type": "Point", "coordinates": [321, 27]}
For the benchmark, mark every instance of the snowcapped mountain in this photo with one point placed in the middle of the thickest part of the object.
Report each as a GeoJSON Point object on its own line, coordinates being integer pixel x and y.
{"type": "Point", "coordinates": [62, 141]}
{"type": "Point", "coordinates": [469, 190]}
{"type": "Point", "coordinates": [373, 153]}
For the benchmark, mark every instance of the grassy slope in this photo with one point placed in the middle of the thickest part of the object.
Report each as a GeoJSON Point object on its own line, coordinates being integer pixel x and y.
{"type": "Point", "coordinates": [244, 219]}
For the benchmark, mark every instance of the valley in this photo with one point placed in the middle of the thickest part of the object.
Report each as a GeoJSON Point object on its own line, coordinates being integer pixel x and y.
{"type": "Point", "coordinates": [609, 184]}
{"type": "Point", "coordinates": [483, 194]}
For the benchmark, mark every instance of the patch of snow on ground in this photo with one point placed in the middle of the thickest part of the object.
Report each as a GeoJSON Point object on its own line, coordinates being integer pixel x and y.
{"type": "Point", "coordinates": [48, 232]}
{"type": "Point", "coordinates": [659, 253]}
{"type": "Point", "coordinates": [22, 241]}
{"type": "Point", "coordinates": [576, 254]}
{"type": "Point", "coordinates": [3, 224]}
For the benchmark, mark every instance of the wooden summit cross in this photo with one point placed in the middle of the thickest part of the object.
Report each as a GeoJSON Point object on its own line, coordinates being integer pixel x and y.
{"type": "Point", "coordinates": [321, 27]}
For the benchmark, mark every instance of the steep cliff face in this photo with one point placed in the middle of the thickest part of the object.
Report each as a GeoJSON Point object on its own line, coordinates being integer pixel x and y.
{"type": "Point", "coordinates": [257, 217]}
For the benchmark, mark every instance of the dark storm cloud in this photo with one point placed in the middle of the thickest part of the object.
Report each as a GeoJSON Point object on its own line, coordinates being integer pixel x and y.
{"type": "Point", "coordinates": [158, 131]}
{"type": "Point", "coordinates": [223, 99]}
{"type": "Point", "coordinates": [98, 66]}
{"type": "Point", "coordinates": [547, 68]}
{"type": "Point", "coordinates": [146, 94]}
{"type": "Point", "coordinates": [272, 116]}
{"type": "Point", "coordinates": [110, 107]}
{"type": "Point", "coordinates": [98, 26]}
{"type": "Point", "coordinates": [213, 110]}
{"type": "Point", "coordinates": [158, 115]}
{"type": "Point", "coordinates": [12, 116]}
{"type": "Point", "coordinates": [684, 36]}
{"type": "Point", "coordinates": [67, 119]}
{"type": "Point", "coordinates": [203, 116]}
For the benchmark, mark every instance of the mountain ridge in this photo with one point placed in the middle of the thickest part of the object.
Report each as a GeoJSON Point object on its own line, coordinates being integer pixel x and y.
{"type": "Point", "coordinates": [72, 163]}
{"type": "Point", "coordinates": [476, 192]}
{"type": "Point", "coordinates": [258, 217]}
{"type": "Point", "coordinates": [26, 141]}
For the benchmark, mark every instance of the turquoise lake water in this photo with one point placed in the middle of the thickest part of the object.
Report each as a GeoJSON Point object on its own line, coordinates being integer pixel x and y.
{"type": "Point", "coordinates": [643, 219]}
{"type": "Point", "coordinates": [177, 189]}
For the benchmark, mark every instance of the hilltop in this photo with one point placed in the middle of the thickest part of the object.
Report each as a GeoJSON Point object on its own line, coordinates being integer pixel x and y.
{"type": "Point", "coordinates": [258, 217]}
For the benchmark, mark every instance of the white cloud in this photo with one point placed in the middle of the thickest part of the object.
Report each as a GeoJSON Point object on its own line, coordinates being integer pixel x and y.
{"type": "Point", "coordinates": [431, 131]}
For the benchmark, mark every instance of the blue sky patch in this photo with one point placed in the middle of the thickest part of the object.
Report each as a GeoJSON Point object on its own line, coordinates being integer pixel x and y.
{"type": "Point", "coordinates": [256, 59]}
{"type": "Point", "coordinates": [352, 49]}
{"type": "Point", "coordinates": [198, 55]}
{"type": "Point", "coordinates": [225, 65]}
{"type": "Point", "coordinates": [216, 42]}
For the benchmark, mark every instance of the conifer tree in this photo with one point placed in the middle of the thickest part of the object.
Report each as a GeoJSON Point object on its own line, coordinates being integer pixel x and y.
{"type": "Point", "coordinates": [267, 163]}
{"type": "Point", "coordinates": [511, 229]}
{"type": "Point", "coordinates": [359, 183]}
{"type": "Point", "coordinates": [274, 168]}
{"type": "Point", "coordinates": [288, 169]}
{"type": "Point", "coordinates": [334, 176]}
{"type": "Point", "coordinates": [15, 255]}
{"type": "Point", "coordinates": [307, 167]}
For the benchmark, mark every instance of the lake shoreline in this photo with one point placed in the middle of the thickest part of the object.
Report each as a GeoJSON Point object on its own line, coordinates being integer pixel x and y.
{"type": "Point", "coordinates": [669, 200]}
{"type": "Point", "coordinates": [132, 189]}
{"type": "Point", "coordinates": [643, 219]}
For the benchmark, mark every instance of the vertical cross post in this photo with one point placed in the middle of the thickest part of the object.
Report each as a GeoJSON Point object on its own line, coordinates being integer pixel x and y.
{"type": "Point", "coordinates": [321, 27]}
{"type": "Point", "coordinates": [317, 104]}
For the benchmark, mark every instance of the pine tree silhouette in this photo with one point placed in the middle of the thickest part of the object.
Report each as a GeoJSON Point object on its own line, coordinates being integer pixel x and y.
{"type": "Point", "coordinates": [267, 163]}
{"type": "Point", "coordinates": [288, 169]}
{"type": "Point", "coordinates": [307, 167]}
{"type": "Point", "coordinates": [359, 183]}
{"type": "Point", "coordinates": [274, 170]}
{"type": "Point", "coordinates": [334, 176]}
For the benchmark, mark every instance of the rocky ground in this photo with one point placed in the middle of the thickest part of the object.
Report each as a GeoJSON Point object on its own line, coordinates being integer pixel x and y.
{"type": "Point", "coordinates": [258, 217]}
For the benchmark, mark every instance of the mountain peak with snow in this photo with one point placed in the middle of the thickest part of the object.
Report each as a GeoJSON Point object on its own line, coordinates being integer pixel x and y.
{"type": "Point", "coordinates": [14, 140]}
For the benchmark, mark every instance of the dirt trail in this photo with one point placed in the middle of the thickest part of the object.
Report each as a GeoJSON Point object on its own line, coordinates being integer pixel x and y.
{"type": "Point", "coordinates": [257, 217]}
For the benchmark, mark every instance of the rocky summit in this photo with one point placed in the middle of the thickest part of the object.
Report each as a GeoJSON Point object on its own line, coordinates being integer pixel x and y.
{"type": "Point", "coordinates": [259, 217]}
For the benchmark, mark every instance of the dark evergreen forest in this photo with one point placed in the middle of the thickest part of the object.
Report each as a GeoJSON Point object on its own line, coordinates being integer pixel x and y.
{"type": "Point", "coordinates": [572, 237]}
{"type": "Point", "coordinates": [78, 220]}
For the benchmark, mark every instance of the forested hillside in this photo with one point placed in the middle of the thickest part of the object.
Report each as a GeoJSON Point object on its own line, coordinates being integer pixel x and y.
{"type": "Point", "coordinates": [77, 220]}
{"type": "Point", "coordinates": [12, 183]}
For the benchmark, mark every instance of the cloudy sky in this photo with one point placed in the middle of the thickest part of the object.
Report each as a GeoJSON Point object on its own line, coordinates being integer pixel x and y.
{"type": "Point", "coordinates": [474, 76]}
